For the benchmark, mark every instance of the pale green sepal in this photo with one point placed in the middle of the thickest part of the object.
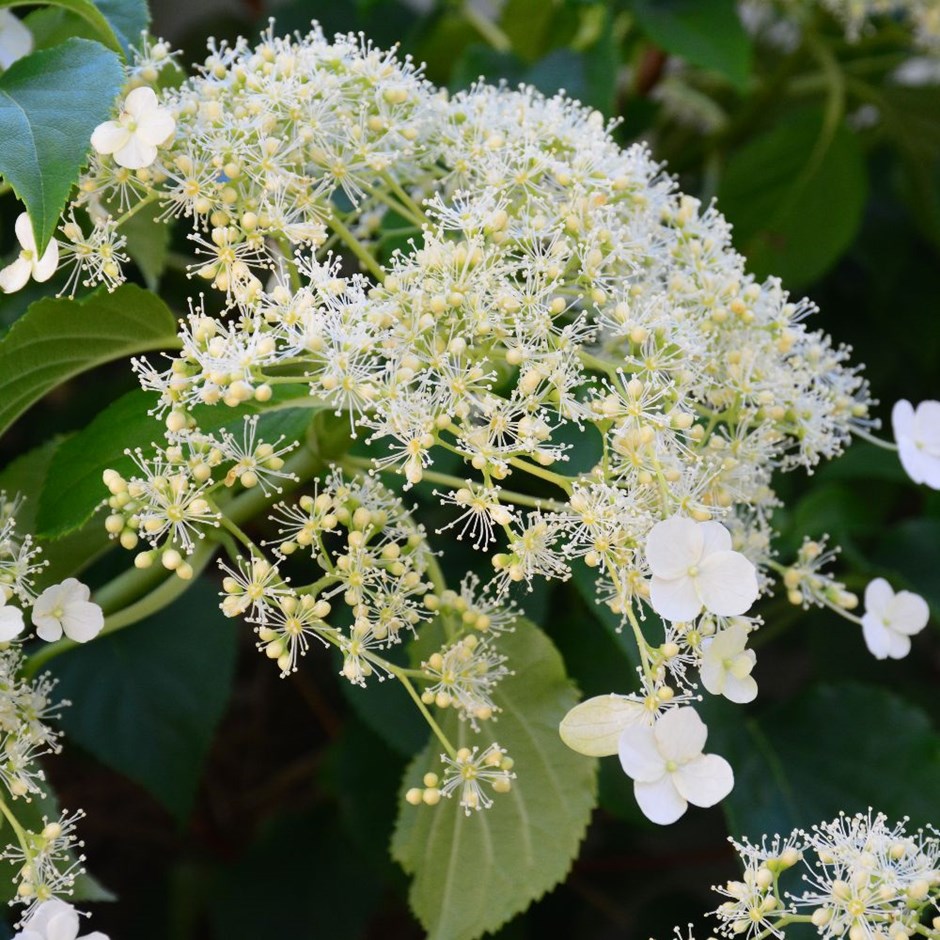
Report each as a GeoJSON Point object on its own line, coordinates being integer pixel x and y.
{"type": "Point", "coordinates": [593, 727]}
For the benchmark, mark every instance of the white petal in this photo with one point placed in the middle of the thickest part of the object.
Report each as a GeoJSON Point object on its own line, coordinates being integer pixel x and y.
{"type": "Point", "coordinates": [14, 276]}
{"type": "Point", "coordinates": [680, 734]}
{"type": "Point", "coordinates": [878, 597]}
{"type": "Point", "coordinates": [902, 419]}
{"type": "Point", "coordinates": [24, 232]}
{"type": "Point", "coordinates": [63, 926]}
{"type": "Point", "coordinates": [704, 781]}
{"type": "Point", "coordinates": [135, 154]}
{"type": "Point", "coordinates": [928, 467]}
{"type": "Point", "coordinates": [140, 101]}
{"type": "Point", "coordinates": [110, 136]}
{"type": "Point", "coordinates": [915, 463]}
{"type": "Point", "coordinates": [927, 425]}
{"type": "Point", "coordinates": [676, 599]}
{"type": "Point", "coordinates": [727, 583]}
{"type": "Point", "coordinates": [713, 675]}
{"type": "Point", "coordinates": [46, 266]}
{"type": "Point", "coordinates": [660, 800]}
{"type": "Point", "coordinates": [11, 623]}
{"type": "Point", "coordinates": [83, 621]}
{"type": "Point", "coordinates": [715, 538]}
{"type": "Point", "coordinates": [156, 127]}
{"type": "Point", "coordinates": [47, 628]}
{"type": "Point", "coordinates": [16, 40]}
{"type": "Point", "coordinates": [908, 613]}
{"type": "Point", "coordinates": [877, 636]}
{"type": "Point", "coordinates": [673, 546]}
{"type": "Point", "coordinates": [45, 912]}
{"type": "Point", "coordinates": [639, 755]}
{"type": "Point", "coordinates": [739, 689]}
{"type": "Point", "coordinates": [74, 590]}
{"type": "Point", "coordinates": [899, 645]}
{"type": "Point", "coordinates": [94, 935]}
{"type": "Point", "coordinates": [594, 727]}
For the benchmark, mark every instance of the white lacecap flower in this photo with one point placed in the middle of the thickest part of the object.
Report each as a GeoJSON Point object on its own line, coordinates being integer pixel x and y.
{"type": "Point", "coordinates": [917, 432]}
{"type": "Point", "coordinates": [890, 620]}
{"type": "Point", "coordinates": [595, 725]}
{"type": "Point", "coordinates": [727, 664]}
{"type": "Point", "coordinates": [28, 264]}
{"type": "Point", "coordinates": [55, 920]}
{"type": "Point", "coordinates": [16, 40]}
{"type": "Point", "coordinates": [142, 126]}
{"type": "Point", "coordinates": [65, 608]}
{"type": "Point", "coordinates": [694, 566]}
{"type": "Point", "coordinates": [11, 621]}
{"type": "Point", "coordinates": [668, 768]}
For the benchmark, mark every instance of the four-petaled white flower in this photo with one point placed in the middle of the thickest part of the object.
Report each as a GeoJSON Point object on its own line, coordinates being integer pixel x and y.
{"type": "Point", "coordinates": [28, 264]}
{"type": "Point", "coordinates": [65, 608]}
{"type": "Point", "coordinates": [890, 619]}
{"type": "Point", "coordinates": [594, 726]}
{"type": "Point", "coordinates": [917, 432]}
{"type": "Point", "coordinates": [694, 566]}
{"type": "Point", "coordinates": [142, 126]}
{"type": "Point", "coordinates": [668, 767]}
{"type": "Point", "coordinates": [55, 920]}
{"type": "Point", "coordinates": [16, 40]}
{"type": "Point", "coordinates": [11, 621]}
{"type": "Point", "coordinates": [727, 664]}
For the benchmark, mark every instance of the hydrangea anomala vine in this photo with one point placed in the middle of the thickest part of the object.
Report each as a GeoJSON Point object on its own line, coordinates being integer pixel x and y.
{"type": "Point", "coordinates": [554, 286]}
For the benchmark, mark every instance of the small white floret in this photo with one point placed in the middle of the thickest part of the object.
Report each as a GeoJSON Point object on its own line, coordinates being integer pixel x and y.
{"type": "Point", "coordinates": [694, 566]}
{"type": "Point", "coordinates": [727, 664]}
{"type": "Point", "coordinates": [917, 433]}
{"type": "Point", "coordinates": [65, 608]}
{"type": "Point", "coordinates": [55, 920]}
{"type": "Point", "coordinates": [668, 768]}
{"type": "Point", "coordinates": [890, 620]}
{"type": "Point", "coordinates": [142, 126]}
{"type": "Point", "coordinates": [28, 264]}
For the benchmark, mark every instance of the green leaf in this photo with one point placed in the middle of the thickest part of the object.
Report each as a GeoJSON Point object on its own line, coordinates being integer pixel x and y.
{"type": "Point", "coordinates": [73, 487]}
{"type": "Point", "coordinates": [65, 557]}
{"type": "Point", "coordinates": [85, 9]}
{"type": "Point", "coordinates": [58, 339]}
{"type": "Point", "coordinates": [148, 244]}
{"type": "Point", "coordinates": [707, 34]}
{"type": "Point", "coordinates": [795, 196]}
{"type": "Point", "coordinates": [527, 25]}
{"type": "Point", "coordinates": [838, 747]}
{"type": "Point", "coordinates": [912, 548]}
{"type": "Point", "coordinates": [147, 699]}
{"type": "Point", "coordinates": [128, 18]}
{"type": "Point", "coordinates": [50, 102]}
{"type": "Point", "coordinates": [473, 873]}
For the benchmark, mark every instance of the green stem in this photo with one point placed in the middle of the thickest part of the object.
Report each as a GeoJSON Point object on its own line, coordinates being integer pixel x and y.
{"type": "Point", "coordinates": [877, 441]}
{"type": "Point", "coordinates": [18, 829]}
{"type": "Point", "coordinates": [146, 201]}
{"type": "Point", "coordinates": [357, 248]}
{"type": "Point", "coordinates": [487, 29]}
{"type": "Point", "coordinates": [400, 675]}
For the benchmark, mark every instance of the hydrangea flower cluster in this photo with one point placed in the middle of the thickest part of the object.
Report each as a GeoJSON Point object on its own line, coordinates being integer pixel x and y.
{"type": "Point", "coordinates": [862, 878]}
{"type": "Point", "coordinates": [525, 283]}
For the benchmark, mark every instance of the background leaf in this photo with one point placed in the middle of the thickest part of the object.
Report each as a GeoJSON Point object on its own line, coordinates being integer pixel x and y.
{"type": "Point", "coordinates": [795, 198]}
{"type": "Point", "coordinates": [473, 873]}
{"type": "Point", "coordinates": [85, 10]}
{"type": "Point", "coordinates": [73, 487]}
{"type": "Point", "coordinates": [838, 747]}
{"type": "Point", "coordinates": [58, 339]}
{"type": "Point", "coordinates": [50, 102]}
{"type": "Point", "coordinates": [148, 698]}
{"type": "Point", "coordinates": [708, 34]}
